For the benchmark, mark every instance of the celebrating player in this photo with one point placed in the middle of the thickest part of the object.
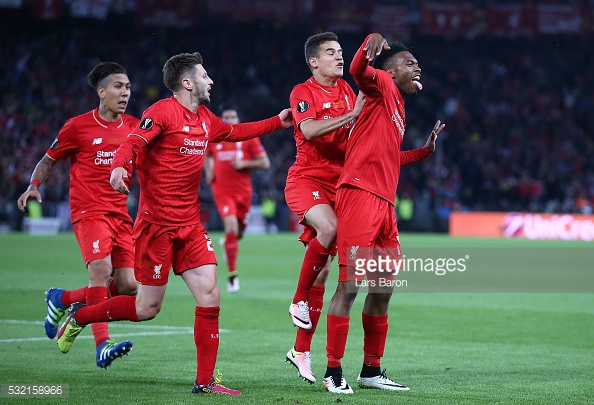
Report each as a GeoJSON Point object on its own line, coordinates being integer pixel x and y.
{"type": "Point", "coordinates": [228, 171]}
{"type": "Point", "coordinates": [99, 214]}
{"type": "Point", "coordinates": [324, 108]}
{"type": "Point", "coordinates": [365, 203]}
{"type": "Point", "coordinates": [169, 144]}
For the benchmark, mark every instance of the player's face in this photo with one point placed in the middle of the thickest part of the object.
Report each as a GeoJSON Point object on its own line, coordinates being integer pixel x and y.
{"type": "Point", "coordinates": [201, 86]}
{"type": "Point", "coordinates": [329, 61]}
{"type": "Point", "coordinates": [115, 92]}
{"type": "Point", "coordinates": [406, 73]}
{"type": "Point", "coordinates": [230, 117]}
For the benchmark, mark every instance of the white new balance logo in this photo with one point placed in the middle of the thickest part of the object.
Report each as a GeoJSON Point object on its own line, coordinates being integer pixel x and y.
{"type": "Point", "coordinates": [97, 141]}
{"type": "Point", "coordinates": [157, 269]}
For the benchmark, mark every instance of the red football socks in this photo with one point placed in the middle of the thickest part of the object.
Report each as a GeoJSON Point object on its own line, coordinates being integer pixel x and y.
{"type": "Point", "coordinates": [111, 287]}
{"type": "Point", "coordinates": [231, 249]}
{"type": "Point", "coordinates": [375, 330]}
{"type": "Point", "coordinates": [72, 296]}
{"type": "Point", "coordinates": [120, 308]}
{"type": "Point", "coordinates": [315, 259]}
{"type": "Point", "coordinates": [337, 331]}
{"type": "Point", "coordinates": [97, 295]}
{"type": "Point", "coordinates": [316, 302]}
{"type": "Point", "coordinates": [206, 338]}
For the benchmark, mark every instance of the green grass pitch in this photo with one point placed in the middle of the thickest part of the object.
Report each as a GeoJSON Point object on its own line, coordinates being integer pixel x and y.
{"type": "Point", "coordinates": [449, 348]}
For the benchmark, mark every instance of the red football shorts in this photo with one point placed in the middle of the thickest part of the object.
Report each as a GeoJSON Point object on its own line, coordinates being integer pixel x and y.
{"type": "Point", "coordinates": [103, 235]}
{"type": "Point", "coordinates": [366, 229]}
{"type": "Point", "coordinates": [301, 196]}
{"type": "Point", "coordinates": [238, 205]}
{"type": "Point", "coordinates": [159, 248]}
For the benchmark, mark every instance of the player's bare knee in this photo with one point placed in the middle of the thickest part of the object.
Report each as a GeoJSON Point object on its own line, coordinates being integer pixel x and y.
{"type": "Point", "coordinates": [99, 272]}
{"type": "Point", "coordinates": [211, 298]}
{"type": "Point", "coordinates": [327, 233]}
{"type": "Point", "coordinates": [127, 288]}
{"type": "Point", "coordinates": [146, 313]}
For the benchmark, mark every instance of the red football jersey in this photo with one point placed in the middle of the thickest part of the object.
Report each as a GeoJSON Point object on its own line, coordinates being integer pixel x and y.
{"type": "Point", "coordinates": [91, 143]}
{"type": "Point", "coordinates": [373, 156]}
{"type": "Point", "coordinates": [321, 158]}
{"type": "Point", "coordinates": [226, 179]}
{"type": "Point", "coordinates": [169, 144]}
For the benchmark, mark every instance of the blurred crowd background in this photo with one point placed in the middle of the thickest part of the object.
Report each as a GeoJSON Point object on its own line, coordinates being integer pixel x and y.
{"type": "Point", "coordinates": [518, 104]}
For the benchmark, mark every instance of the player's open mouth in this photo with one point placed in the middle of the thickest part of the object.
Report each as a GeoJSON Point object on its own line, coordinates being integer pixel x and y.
{"type": "Point", "coordinates": [123, 104]}
{"type": "Point", "coordinates": [417, 81]}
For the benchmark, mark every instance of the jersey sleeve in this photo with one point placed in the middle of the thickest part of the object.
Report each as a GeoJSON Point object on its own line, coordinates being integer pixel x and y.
{"type": "Point", "coordinates": [363, 73]}
{"type": "Point", "coordinates": [302, 105]}
{"type": "Point", "coordinates": [155, 120]}
{"type": "Point", "coordinates": [415, 155]}
{"type": "Point", "coordinates": [66, 143]}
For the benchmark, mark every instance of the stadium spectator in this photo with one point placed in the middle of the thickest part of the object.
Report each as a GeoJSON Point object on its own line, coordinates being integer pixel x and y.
{"type": "Point", "coordinates": [168, 147]}
{"type": "Point", "coordinates": [99, 214]}
{"type": "Point", "coordinates": [227, 170]}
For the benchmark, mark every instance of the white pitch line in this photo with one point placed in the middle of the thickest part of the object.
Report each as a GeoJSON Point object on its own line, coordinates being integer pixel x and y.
{"type": "Point", "coordinates": [180, 332]}
{"type": "Point", "coordinates": [143, 325]}
{"type": "Point", "coordinates": [169, 330]}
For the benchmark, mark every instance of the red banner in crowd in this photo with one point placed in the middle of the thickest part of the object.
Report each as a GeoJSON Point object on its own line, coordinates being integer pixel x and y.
{"type": "Point", "coordinates": [510, 19]}
{"type": "Point", "coordinates": [393, 22]}
{"type": "Point", "coordinates": [447, 19]}
{"type": "Point", "coordinates": [47, 9]}
{"type": "Point", "coordinates": [522, 225]}
{"type": "Point", "coordinates": [167, 13]}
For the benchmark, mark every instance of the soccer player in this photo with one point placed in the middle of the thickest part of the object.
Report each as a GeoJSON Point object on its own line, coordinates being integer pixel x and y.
{"type": "Point", "coordinates": [99, 214]}
{"type": "Point", "coordinates": [228, 171]}
{"type": "Point", "coordinates": [169, 144]}
{"type": "Point", "coordinates": [324, 108]}
{"type": "Point", "coordinates": [365, 203]}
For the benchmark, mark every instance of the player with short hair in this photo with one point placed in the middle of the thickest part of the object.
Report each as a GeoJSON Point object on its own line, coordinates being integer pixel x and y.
{"type": "Point", "coordinates": [169, 145]}
{"type": "Point", "coordinates": [99, 215]}
{"type": "Point", "coordinates": [227, 169]}
{"type": "Point", "coordinates": [365, 203]}
{"type": "Point", "coordinates": [324, 108]}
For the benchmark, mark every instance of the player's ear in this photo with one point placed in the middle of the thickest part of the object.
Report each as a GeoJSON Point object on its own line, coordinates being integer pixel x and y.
{"type": "Point", "coordinates": [313, 62]}
{"type": "Point", "coordinates": [187, 84]}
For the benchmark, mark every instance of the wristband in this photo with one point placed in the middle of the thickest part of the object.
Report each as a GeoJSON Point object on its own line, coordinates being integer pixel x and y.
{"type": "Point", "coordinates": [36, 182]}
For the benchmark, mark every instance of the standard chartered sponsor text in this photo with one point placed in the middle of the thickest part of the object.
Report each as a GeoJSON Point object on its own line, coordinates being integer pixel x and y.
{"type": "Point", "coordinates": [387, 264]}
{"type": "Point", "coordinates": [104, 158]}
{"type": "Point", "coordinates": [193, 151]}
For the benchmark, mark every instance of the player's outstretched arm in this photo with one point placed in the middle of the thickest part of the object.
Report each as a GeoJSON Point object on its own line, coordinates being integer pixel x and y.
{"type": "Point", "coordinates": [311, 128]}
{"type": "Point", "coordinates": [375, 45]}
{"type": "Point", "coordinates": [430, 144]}
{"type": "Point", "coordinates": [117, 182]}
{"type": "Point", "coordinates": [286, 117]}
{"type": "Point", "coordinates": [412, 156]}
{"type": "Point", "coordinates": [39, 176]}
